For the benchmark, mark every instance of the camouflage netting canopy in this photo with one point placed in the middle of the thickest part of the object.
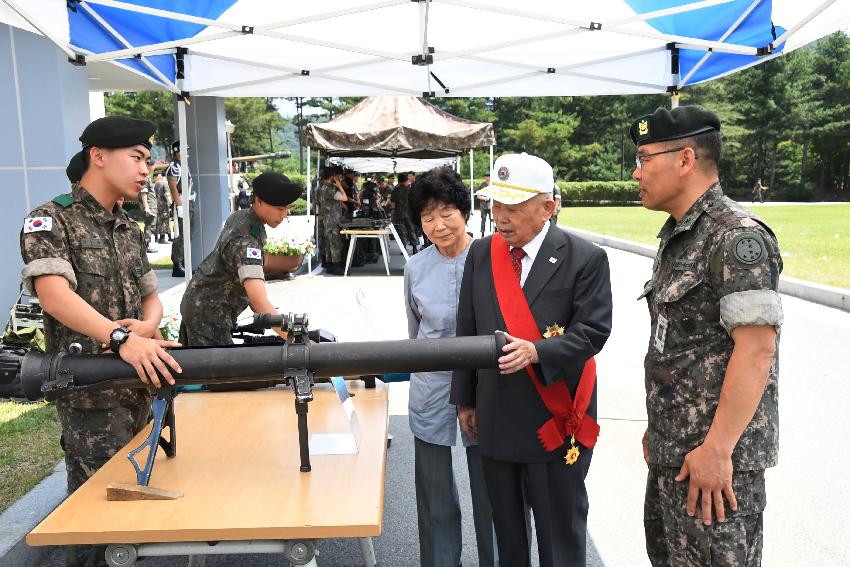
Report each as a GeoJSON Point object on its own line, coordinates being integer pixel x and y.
{"type": "Point", "coordinates": [398, 126]}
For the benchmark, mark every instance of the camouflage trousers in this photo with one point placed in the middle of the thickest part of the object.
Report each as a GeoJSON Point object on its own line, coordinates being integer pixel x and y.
{"type": "Point", "coordinates": [674, 539]}
{"type": "Point", "coordinates": [90, 437]}
{"type": "Point", "coordinates": [163, 218]}
{"type": "Point", "coordinates": [151, 227]}
{"type": "Point", "coordinates": [335, 243]}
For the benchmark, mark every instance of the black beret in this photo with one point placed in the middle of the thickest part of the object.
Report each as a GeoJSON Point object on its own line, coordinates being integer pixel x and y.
{"type": "Point", "coordinates": [681, 122]}
{"type": "Point", "coordinates": [76, 167]}
{"type": "Point", "coordinates": [276, 189]}
{"type": "Point", "coordinates": [118, 132]}
{"type": "Point", "coordinates": [175, 146]}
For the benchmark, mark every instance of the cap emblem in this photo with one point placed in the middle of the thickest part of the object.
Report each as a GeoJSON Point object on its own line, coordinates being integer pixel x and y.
{"type": "Point", "coordinates": [643, 127]}
{"type": "Point", "coordinates": [503, 173]}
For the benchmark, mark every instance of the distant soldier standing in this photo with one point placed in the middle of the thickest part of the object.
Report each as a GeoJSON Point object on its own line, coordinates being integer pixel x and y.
{"type": "Point", "coordinates": [163, 208]}
{"type": "Point", "coordinates": [758, 191]}
{"type": "Point", "coordinates": [711, 365]}
{"type": "Point", "coordinates": [85, 260]}
{"type": "Point", "coordinates": [231, 277]}
{"type": "Point", "coordinates": [331, 206]}
{"type": "Point", "coordinates": [175, 185]}
{"type": "Point", "coordinates": [148, 202]}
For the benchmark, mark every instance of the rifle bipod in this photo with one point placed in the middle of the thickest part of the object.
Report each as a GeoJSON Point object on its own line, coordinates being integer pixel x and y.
{"type": "Point", "coordinates": [163, 416]}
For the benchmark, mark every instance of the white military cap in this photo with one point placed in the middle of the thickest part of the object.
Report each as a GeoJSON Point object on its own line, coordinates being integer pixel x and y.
{"type": "Point", "coordinates": [516, 178]}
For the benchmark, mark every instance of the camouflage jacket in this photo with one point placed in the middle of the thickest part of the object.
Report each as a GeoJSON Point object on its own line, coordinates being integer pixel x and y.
{"type": "Point", "coordinates": [215, 296]}
{"type": "Point", "coordinates": [102, 255]}
{"type": "Point", "coordinates": [716, 269]}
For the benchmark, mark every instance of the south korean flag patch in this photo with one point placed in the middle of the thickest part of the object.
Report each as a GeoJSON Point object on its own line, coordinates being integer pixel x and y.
{"type": "Point", "coordinates": [38, 224]}
{"type": "Point", "coordinates": [254, 253]}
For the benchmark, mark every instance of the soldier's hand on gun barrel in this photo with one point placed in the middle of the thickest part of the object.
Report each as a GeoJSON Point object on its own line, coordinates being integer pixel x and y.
{"type": "Point", "coordinates": [148, 357]}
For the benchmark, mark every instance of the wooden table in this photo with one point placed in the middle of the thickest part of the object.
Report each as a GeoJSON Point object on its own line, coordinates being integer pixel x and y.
{"type": "Point", "coordinates": [382, 234]}
{"type": "Point", "coordinates": [237, 465]}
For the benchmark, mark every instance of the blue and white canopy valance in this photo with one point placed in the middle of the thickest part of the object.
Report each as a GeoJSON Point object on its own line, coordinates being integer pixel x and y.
{"type": "Point", "coordinates": [444, 47]}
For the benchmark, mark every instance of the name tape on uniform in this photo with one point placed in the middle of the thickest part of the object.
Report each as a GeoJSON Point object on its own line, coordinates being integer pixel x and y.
{"type": "Point", "coordinates": [254, 253]}
{"type": "Point", "coordinates": [37, 224]}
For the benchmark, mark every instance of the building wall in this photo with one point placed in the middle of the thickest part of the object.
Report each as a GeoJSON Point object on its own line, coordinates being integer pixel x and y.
{"type": "Point", "coordinates": [44, 107]}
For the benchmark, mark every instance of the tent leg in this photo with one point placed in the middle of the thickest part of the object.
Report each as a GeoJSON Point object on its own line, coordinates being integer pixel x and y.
{"type": "Point", "coordinates": [310, 257]}
{"type": "Point", "coordinates": [491, 158]}
{"type": "Point", "coordinates": [187, 190]}
{"type": "Point", "coordinates": [471, 181]}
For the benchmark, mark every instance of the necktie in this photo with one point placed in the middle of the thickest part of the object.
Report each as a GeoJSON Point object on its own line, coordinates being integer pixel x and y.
{"type": "Point", "coordinates": [517, 255]}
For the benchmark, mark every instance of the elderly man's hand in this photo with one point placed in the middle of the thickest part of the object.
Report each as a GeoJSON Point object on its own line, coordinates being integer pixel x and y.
{"type": "Point", "coordinates": [468, 421]}
{"type": "Point", "coordinates": [520, 353]}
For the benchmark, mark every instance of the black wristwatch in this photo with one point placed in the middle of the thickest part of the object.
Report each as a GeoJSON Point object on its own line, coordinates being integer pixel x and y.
{"type": "Point", "coordinates": [118, 337]}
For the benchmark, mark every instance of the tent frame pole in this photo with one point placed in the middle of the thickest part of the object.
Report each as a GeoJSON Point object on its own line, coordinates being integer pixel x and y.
{"type": "Point", "coordinates": [728, 32]}
{"type": "Point", "coordinates": [186, 197]}
{"type": "Point", "coordinates": [31, 21]}
{"type": "Point", "coordinates": [788, 33]}
{"type": "Point", "coordinates": [120, 38]}
{"type": "Point", "coordinates": [471, 180]}
{"type": "Point", "coordinates": [309, 180]}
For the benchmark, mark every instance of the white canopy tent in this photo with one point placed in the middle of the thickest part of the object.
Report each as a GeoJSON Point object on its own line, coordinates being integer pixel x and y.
{"type": "Point", "coordinates": [436, 47]}
{"type": "Point", "coordinates": [430, 48]}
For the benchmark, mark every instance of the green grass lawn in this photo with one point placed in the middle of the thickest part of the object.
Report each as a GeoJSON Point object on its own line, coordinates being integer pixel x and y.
{"type": "Point", "coordinates": [29, 447]}
{"type": "Point", "coordinates": [815, 239]}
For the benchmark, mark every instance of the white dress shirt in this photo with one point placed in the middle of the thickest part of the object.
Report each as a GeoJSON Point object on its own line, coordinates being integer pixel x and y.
{"type": "Point", "coordinates": [531, 249]}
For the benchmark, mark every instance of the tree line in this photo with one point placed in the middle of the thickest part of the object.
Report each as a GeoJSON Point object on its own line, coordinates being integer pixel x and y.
{"type": "Point", "coordinates": [786, 121]}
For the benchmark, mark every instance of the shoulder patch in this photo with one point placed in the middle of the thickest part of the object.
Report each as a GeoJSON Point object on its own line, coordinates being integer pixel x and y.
{"type": "Point", "coordinates": [38, 224]}
{"type": "Point", "coordinates": [255, 230]}
{"type": "Point", "coordinates": [748, 248]}
{"type": "Point", "coordinates": [253, 253]}
{"type": "Point", "coordinates": [65, 200]}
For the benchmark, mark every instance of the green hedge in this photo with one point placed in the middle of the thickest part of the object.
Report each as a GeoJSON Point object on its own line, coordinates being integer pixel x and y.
{"type": "Point", "coordinates": [598, 192]}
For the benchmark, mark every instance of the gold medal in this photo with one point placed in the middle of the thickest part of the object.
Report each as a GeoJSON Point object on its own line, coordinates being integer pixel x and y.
{"type": "Point", "coordinates": [572, 454]}
{"type": "Point", "coordinates": [553, 331]}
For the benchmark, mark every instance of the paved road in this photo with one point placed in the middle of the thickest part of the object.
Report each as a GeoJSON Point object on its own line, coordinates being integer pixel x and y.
{"type": "Point", "coordinates": [808, 493]}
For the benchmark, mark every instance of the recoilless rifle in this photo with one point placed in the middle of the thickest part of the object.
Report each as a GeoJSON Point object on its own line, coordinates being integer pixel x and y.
{"type": "Point", "coordinates": [294, 362]}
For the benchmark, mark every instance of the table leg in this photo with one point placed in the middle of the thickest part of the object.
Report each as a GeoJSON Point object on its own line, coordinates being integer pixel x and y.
{"type": "Point", "coordinates": [399, 241]}
{"type": "Point", "coordinates": [368, 551]}
{"type": "Point", "coordinates": [351, 245]}
{"type": "Point", "coordinates": [197, 561]}
{"type": "Point", "coordinates": [384, 247]}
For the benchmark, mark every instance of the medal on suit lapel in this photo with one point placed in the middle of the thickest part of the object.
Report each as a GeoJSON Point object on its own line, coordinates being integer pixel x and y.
{"type": "Point", "coordinates": [572, 453]}
{"type": "Point", "coordinates": [553, 331]}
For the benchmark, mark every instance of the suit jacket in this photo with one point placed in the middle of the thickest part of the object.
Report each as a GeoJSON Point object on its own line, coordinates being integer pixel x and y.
{"type": "Point", "coordinates": [573, 292]}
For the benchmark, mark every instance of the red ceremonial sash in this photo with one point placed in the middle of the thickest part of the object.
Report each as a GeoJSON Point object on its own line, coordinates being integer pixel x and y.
{"type": "Point", "coordinates": [567, 418]}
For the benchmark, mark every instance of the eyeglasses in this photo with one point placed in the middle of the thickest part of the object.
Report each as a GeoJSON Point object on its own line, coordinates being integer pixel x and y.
{"type": "Point", "coordinates": [640, 159]}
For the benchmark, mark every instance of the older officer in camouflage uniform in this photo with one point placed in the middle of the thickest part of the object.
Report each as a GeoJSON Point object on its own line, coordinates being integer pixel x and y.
{"type": "Point", "coordinates": [711, 365]}
{"type": "Point", "coordinates": [231, 278]}
{"type": "Point", "coordinates": [85, 260]}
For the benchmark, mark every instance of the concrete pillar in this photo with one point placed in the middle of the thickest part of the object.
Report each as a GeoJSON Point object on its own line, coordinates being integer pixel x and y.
{"type": "Point", "coordinates": [208, 164]}
{"type": "Point", "coordinates": [44, 107]}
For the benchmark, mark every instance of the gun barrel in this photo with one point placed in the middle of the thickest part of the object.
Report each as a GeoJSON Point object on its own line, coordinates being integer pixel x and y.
{"type": "Point", "coordinates": [54, 374]}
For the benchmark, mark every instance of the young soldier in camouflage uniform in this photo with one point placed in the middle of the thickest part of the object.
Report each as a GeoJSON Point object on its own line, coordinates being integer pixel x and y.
{"type": "Point", "coordinates": [711, 365]}
{"type": "Point", "coordinates": [85, 260]}
{"type": "Point", "coordinates": [331, 206]}
{"type": "Point", "coordinates": [231, 278]}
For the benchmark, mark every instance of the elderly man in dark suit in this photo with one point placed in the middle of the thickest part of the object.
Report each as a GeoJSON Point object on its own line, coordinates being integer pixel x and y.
{"type": "Point", "coordinates": [534, 417]}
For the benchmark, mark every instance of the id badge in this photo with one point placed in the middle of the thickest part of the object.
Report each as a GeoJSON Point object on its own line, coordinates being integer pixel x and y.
{"type": "Point", "coordinates": [661, 333]}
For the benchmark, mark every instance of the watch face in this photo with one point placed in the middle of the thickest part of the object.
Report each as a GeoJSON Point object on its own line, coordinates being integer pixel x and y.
{"type": "Point", "coordinates": [117, 335]}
